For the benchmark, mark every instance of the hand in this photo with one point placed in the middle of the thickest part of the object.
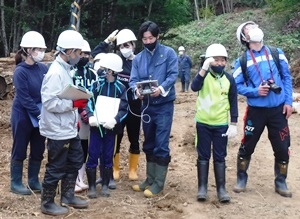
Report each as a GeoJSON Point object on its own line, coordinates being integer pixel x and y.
{"type": "Point", "coordinates": [207, 63]}
{"type": "Point", "coordinates": [231, 131]}
{"type": "Point", "coordinates": [93, 121]}
{"type": "Point", "coordinates": [263, 89]}
{"type": "Point", "coordinates": [112, 37]}
{"type": "Point", "coordinates": [138, 94]}
{"type": "Point", "coordinates": [79, 103]}
{"type": "Point", "coordinates": [110, 124]}
{"type": "Point", "coordinates": [156, 91]}
{"type": "Point", "coordinates": [288, 110]}
{"type": "Point", "coordinates": [84, 117]}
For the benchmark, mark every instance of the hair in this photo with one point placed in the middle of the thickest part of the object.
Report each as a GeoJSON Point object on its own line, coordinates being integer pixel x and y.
{"type": "Point", "coordinates": [148, 26]}
{"type": "Point", "coordinates": [20, 55]}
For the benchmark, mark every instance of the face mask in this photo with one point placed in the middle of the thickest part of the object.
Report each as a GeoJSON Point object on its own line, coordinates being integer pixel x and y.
{"type": "Point", "coordinates": [39, 57]}
{"type": "Point", "coordinates": [256, 35]}
{"type": "Point", "coordinates": [181, 53]}
{"type": "Point", "coordinates": [217, 69]}
{"type": "Point", "coordinates": [150, 46]}
{"type": "Point", "coordinates": [83, 61]}
{"type": "Point", "coordinates": [74, 61]}
{"type": "Point", "coordinates": [126, 52]}
{"type": "Point", "coordinates": [101, 73]}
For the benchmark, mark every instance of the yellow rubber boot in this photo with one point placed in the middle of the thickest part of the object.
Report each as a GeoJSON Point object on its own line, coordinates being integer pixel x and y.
{"type": "Point", "coordinates": [133, 164]}
{"type": "Point", "coordinates": [116, 168]}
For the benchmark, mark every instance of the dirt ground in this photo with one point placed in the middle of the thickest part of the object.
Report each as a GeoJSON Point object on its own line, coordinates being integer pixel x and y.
{"type": "Point", "coordinates": [179, 197]}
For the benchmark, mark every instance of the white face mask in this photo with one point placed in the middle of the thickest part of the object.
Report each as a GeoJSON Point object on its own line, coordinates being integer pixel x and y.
{"type": "Point", "coordinates": [39, 57]}
{"type": "Point", "coordinates": [126, 52]}
{"type": "Point", "coordinates": [181, 53]}
{"type": "Point", "coordinates": [256, 35]}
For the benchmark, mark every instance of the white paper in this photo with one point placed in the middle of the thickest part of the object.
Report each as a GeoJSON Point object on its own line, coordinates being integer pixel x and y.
{"type": "Point", "coordinates": [106, 108]}
{"type": "Point", "coordinates": [71, 92]}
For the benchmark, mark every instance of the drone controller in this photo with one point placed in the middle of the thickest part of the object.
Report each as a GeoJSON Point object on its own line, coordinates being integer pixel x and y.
{"type": "Point", "coordinates": [146, 86]}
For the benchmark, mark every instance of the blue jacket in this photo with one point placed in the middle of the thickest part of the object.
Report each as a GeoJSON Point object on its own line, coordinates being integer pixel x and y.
{"type": "Point", "coordinates": [272, 99]}
{"type": "Point", "coordinates": [28, 81]}
{"type": "Point", "coordinates": [162, 65]}
{"type": "Point", "coordinates": [185, 63]}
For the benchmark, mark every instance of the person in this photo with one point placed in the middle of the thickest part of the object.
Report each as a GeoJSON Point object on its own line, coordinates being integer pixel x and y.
{"type": "Point", "coordinates": [185, 65]}
{"type": "Point", "coordinates": [105, 127]}
{"type": "Point", "coordinates": [27, 79]}
{"type": "Point", "coordinates": [83, 77]}
{"type": "Point", "coordinates": [217, 94]}
{"type": "Point", "coordinates": [125, 43]}
{"type": "Point", "coordinates": [59, 119]}
{"type": "Point", "coordinates": [265, 107]}
{"type": "Point", "coordinates": [155, 62]}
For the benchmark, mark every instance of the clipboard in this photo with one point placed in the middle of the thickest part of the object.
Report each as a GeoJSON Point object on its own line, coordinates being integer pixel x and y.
{"type": "Point", "coordinates": [34, 120]}
{"type": "Point", "coordinates": [72, 92]}
{"type": "Point", "coordinates": [106, 108]}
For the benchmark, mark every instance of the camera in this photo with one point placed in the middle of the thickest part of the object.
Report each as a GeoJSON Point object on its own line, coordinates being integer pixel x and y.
{"type": "Point", "coordinates": [273, 87]}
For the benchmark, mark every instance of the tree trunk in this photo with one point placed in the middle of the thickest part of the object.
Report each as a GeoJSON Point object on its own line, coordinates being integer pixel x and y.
{"type": "Point", "coordinates": [197, 9]}
{"type": "Point", "coordinates": [206, 9]}
{"type": "Point", "coordinates": [224, 11]}
{"type": "Point", "coordinates": [3, 33]}
{"type": "Point", "coordinates": [149, 9]}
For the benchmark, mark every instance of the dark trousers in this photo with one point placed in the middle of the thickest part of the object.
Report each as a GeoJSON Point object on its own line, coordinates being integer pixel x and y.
{"type": "Point", "coordinates": [101, 147]}
{"type": "Point", "coordinates": [64, 156]}
{"type": "Point", "coordinates": [24, 133]}
{"type": "Point", "coordinates": [185, 76]}
{"type": "Point", "coordinates": [255, 120]}
{"type": "Point", "coordinates": [211, 136]}
{"type": "Point", "coordinates": [133, 125]}
{"type": "Point", "coordinates": [157, 130]}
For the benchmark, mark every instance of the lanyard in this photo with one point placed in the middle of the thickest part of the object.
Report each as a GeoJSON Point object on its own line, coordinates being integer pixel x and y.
{"type": "Point", "coordinates": [256, 65]}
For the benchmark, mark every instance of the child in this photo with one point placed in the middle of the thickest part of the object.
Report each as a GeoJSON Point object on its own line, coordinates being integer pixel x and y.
{"type": "Point", "coordinates": [217, 94]}
{"type": "Point", "coordinates": [103, 133]}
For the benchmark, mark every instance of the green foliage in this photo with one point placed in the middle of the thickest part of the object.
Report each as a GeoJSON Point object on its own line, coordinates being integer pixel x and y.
{"type": "Point", "coordinates": [283, 5]}
{"type": "Point", "coordinates": [206, 12]}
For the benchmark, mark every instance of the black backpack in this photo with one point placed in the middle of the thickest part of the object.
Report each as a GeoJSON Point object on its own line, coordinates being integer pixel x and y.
{"type": "Point", "coordinates": [243, 63]}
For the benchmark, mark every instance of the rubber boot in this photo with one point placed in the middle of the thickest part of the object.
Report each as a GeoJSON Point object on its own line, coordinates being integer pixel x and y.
{"type": "Point", "coordinates": [91, 176]}
{"type": "Point", "coordinates": [99, 180]}
{"type": "Point", "coordinates": [112, 183]}
{"type": "Point", "coordinates": [67, 192]}
{"type": "Point", "coordinates": [116, 166]}
{"type": "Point", "coordinates": [242, 176]}
{"type": "Point", "coordinates": [33, 175]}
{"type": "Point", "coordinates": [280, 179]}
{"type": "Point", "coordinates": [48, 205]}
{"type": "Point", "coordinates": [182, 86]}
{"type": "Point", "coordinates": [80, 185]}
{"type": "Point", "coordinates": [187, 85]}
{"type": "Point", "coordinates": [202, 169]}
{"type": "Point", "coordinates": [220, 176]}
{"type": "Point", "coordinates": [16, 173]}
{"type": "Point", "coordinates": [107, 173]}
{"type": "Point", "coordinates": [161, 169]}
{"type": "Point", "coordinates": [133, 165]}
{"type": "Point", "coordinates": [150, 175]}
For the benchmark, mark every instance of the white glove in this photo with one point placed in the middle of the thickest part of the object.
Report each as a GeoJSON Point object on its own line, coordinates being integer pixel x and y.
{"type": "Point", "coordinates": [231, 131]}
{"type": "Point", "coordinates": [112, 37]}
{"type": "Point", "coordinates": [110, 124]}
{"type": "Point", "coordinates": [207, 63]}
{"type": "Point", "coordinates": [93, 121]}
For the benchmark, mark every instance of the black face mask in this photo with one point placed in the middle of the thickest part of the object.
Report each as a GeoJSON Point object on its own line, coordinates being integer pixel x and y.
{"type": "Point", "coordinates": [150, 46]}
{"type": "Point", "coordinates": [83, 61]}
{"type": "Point", "coordinates": [101, 73]}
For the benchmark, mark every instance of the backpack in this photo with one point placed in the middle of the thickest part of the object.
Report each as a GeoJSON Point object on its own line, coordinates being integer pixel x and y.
{"type": "Point", "coordinates": [243, 63]}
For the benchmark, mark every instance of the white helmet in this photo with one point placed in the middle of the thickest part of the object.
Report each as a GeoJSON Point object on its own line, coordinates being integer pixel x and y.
{"type": "Point", "coordinates": [216, 50]}
{"type": "Point", "coordinates": [86, 46]}
{"type": "Point", "coordinates": [70, 39]}
{"type": "Point", "coordinates": [125, 36]}
{"type": "Point", "coordinates": [239, 30]}
{"type": "Point", "coordinates": [181, 48]}
{"type": "Point", "coordinates": [112, 61]}
{"type": "Point", "coordinates": [33, 39]}
{"type": "Point", "coordinates": [97, 59]}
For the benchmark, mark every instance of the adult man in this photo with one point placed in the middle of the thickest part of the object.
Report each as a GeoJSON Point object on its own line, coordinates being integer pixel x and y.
{"type": "Point", "coordinates": [155, 62]}
{"type": "Point", "coordinates": [59, 119]}
{"type": "Point", "coordinates": [269, 99]}
{"type": "Point", "coordinates": [185, 65]}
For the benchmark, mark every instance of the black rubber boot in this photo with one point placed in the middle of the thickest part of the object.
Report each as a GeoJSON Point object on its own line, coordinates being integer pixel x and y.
{"type": "Point", "coordinates": [182, 86]}
{"type": "Point", "coordinates": [33, 175]}
{"type": "Point", "coordinates": [16, 173]}
{"type": "Point", "coordinates": [202, 170]}
{"type": "Point", "coordinates": [91, 176]}
{"type": "Point", "coordinates": [68, 194]}
{"type": "Point", "coordinates": [187, 85]}
{"type": "Point", "coordinates": [150, 174]}
{"type": "Point", "coordinates": [48, 205]}
{"type": "Point", "coordinates": [220, 176]}
{"type": "Point", "coordinates": [242, 176]}
{"type": "Point", "coordinates": [112, 183]}
{"type": "Point", "coordinates": [107, 173]}
{"type": "Point", "coordinates": [280, 179]}
{"type": "Point", "coordinates": [161, 170]}
{"type": "Point", "coordinates": [99, 180]}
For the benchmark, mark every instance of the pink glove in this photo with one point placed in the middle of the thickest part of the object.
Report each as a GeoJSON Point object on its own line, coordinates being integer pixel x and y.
{"type": "Point", "coordinates": [84, 117]}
